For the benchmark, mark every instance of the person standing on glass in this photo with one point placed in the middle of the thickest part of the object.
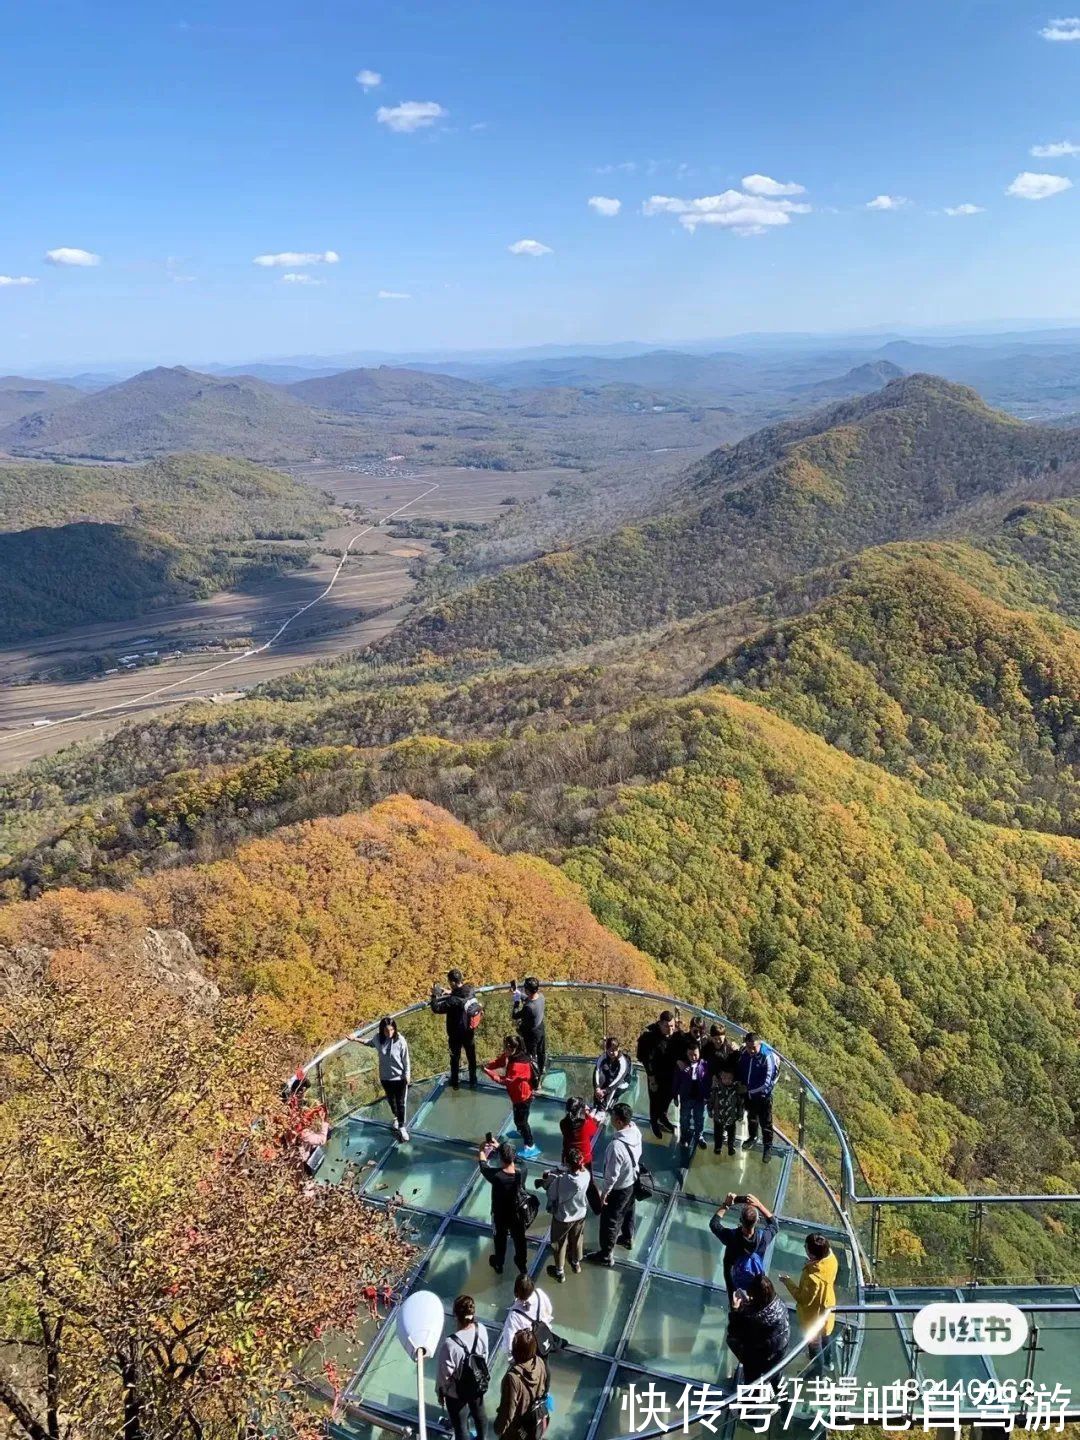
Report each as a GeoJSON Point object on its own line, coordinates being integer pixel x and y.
{"type": "Point", "coordinates": [611, 1074]}
{"type": "Point", "coordinates": [462, 1372]}
{"type": "Point", "coordinates": [519, 1076]}
{"type": "Point", "coordinates": [622, 1165]}
{"type": "Point", "coordinates": [528, 1016]}
{"type": "Point", "coordinates": [692, 1086]}
{"type": "Point", "coordinates": [658, 1047]}
{"type": "Point", "coordinates": [507, 1181]}
{"type": "Point", "coordinates": [463, 1013]}
{"type": "Point", "coordinates": [757, 1074]}
{"type": "Point", "coordinates": [395, 1073]}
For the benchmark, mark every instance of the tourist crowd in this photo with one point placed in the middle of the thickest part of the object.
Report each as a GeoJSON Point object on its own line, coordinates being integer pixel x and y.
{"type": "Point", "coordinates": [701, 1073]}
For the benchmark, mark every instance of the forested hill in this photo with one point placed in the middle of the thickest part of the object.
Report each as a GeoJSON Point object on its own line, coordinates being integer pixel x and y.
{"type": "Point", "coordinates": [190, 496]}
{"type": "Point", "coordinates": [81, 544]}
{"type": "Point", "coordinates": [55, 576]}
{"type": "Point", "coordinates": [920, 457]}
{"type": "Point", "coordinates": [168, 409]}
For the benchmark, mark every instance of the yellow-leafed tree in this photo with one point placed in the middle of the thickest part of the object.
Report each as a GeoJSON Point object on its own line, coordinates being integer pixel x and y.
{"type": "Point", "coordinates": [162, 1253]}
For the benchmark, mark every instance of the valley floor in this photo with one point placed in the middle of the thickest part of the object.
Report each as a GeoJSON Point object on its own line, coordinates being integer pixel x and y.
{"type": "Point", "coordinates": [377, 579]}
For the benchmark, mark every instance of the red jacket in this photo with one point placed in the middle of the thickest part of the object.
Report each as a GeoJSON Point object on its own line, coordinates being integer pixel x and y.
{"type": "Point", "coordinates": [583, 1136]}
{"type": "Point", "coordinates": [517, 1077]}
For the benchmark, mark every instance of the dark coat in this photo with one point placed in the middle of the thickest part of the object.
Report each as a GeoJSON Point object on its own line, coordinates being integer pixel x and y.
{"type": "Point", "coordinates": [759, 1337]}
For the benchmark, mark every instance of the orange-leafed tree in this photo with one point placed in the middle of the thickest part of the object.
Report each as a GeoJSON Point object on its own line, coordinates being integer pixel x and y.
{"type": "Point", "coordinates": [163, 1256]}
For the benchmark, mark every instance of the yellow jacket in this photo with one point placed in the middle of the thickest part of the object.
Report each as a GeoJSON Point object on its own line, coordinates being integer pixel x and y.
{"type": "Point", "coordinates": [815, 1292]}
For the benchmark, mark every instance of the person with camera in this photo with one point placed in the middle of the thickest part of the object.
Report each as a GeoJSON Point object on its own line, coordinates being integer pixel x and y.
{"type": "Point", "coordinates": [527, 1014]}
{"type": "Point", "coordinates": [567, 1205]}
{"type": "Point", "coordinates": [463, 1012]}
{"type": "Point", "coordinates": [509, 1203]}
{"type": "Point", "coordinates": [759, 1328]}
{"type": "Point", "coordinates": [744, 1244]}
{"type": "Point", "coordinates": [579, 1128]}
{"type": "Point", "coordinates": [520, 1078]}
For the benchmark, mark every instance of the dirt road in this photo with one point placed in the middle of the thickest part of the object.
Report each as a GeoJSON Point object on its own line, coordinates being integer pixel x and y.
{"type": "Point", "coordinates": [375, 577]}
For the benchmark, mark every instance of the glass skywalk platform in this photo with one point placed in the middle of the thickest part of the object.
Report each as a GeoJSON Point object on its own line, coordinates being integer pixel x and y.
{"type": "Point", "coordinates": [659, 1317]}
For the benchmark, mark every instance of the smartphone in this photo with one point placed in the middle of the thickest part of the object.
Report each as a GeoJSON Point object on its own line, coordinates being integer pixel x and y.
{"type": "Point", "coordinates": [489, 1139]}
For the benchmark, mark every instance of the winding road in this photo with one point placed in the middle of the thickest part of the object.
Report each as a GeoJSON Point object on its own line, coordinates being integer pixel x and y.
{"type": "Point", "coordinates": [186, 681]}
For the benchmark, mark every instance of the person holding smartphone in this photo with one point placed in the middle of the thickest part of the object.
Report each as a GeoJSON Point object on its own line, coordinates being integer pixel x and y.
{"type": "Point", "coordinates": [528, 1015]}
{"type": "Point", "coordinates": [744, 1244]}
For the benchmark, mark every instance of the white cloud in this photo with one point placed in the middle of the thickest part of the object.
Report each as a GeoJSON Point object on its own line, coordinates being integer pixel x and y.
{"type": "Point", "coordinates": [369, 79]}
{"type": "Point", "coordinates": [1067, 29]}
{"type": "Point", "coordinates": [17, 280]}
{"type": "Point", "coordinates": [888, 202]}
{"type": "Point", "coordinates": [294, 258]}
{"type": "Point", "coordinates": [731, 210]}
{"type": "Point", "coordinates": [604, 204]}
{"type": "Point", "coordinates": [966, 209]}
{"type": "Point", "coordinates": [1055, 150]}
{"type": "Point", "coordinates": [297, 277]}
{"type": "Point", "coordinates": [1030, 186]}
{"type": "Point", "coordinates": [394, 295]}
{"type": "Point", "coordinates": [67, 255]}
{"type": "Point", "coordinates": [529, 247]}
{"type": "Point", "coordinates": [765, 185]}
{"type": "Point", "coordinates": [410, 115]}
{"type": "Point", "coordinates": [623, 167]}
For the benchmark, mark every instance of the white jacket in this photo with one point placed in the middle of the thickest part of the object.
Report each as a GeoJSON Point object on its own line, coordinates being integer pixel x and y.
{"type": "Point", "coordinates": [523, 1316]}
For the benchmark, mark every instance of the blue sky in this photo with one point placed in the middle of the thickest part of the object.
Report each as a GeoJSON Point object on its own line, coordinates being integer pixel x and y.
{"type": "Point", "coordinates": [178, 142]}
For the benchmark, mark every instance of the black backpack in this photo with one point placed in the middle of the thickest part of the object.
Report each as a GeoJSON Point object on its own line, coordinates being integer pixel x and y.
{"type": "Point", "coordinates": [644, 1184]}
{"type": "Point", "coordinates": [473, 1376]}
{"type": "Point", "coordinates": [526, 1204]}
{"type": "Point", "coordinates": [546, 1340]}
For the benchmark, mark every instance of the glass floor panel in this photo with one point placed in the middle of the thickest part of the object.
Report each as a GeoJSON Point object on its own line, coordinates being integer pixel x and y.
{"type": "Point", "coordinates": [465, 1114]}
{"type": "Point", "coordinates": [680, 1328]}
{"type": "Point", "coordinates": [1057, 1356]}
{"type": "Point", "coordinates": [647, 1217]}
{"type": "Point", "coordinates": [355, 1147]}
{"type": "Point", "coordinates": [689, 1247]}
{"type": "Point", "coordinates": [424, 1173]}
{"type": "Point", "coordinates": [591, 1308]}
{"type": "Point", "coordinates": [807, 1199]}
{"type": "Point", "coordinates": [380, 1109]}
{"type": "Point", "coordinates": [884, 1357]}
{"type": "Point", "coordinates": [711, 1177]}
{"type": "Point", "coordinates": [459, 1266]}
{"type": "Point", "coordinates": [417, 1229]}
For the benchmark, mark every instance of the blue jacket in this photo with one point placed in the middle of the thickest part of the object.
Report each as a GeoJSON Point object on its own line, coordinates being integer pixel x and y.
{"type": "Point", "coordinates": [758, 1072]}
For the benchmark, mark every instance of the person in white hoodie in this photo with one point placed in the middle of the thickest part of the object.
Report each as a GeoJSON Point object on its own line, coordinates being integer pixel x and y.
{"type": "Point", "coordinates": [530, 1305]}
{"type": "Point", "coordinates": [622, 1162]}
{"type": "Point", "coordinates": [395, 1070]}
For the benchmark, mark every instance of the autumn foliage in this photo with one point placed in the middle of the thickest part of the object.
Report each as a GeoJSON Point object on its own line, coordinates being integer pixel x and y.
{"type": "Point", "coordinates": [162, 1254]}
